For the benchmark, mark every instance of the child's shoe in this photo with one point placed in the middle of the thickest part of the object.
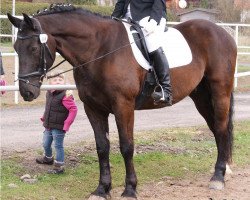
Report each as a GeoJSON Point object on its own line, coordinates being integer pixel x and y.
{"type": "Point", "coordinates": [58, 168]}
{"type": "Point", "coordinates": [45, 160]}
{"type": "Point", "coordinates": [2, 83]}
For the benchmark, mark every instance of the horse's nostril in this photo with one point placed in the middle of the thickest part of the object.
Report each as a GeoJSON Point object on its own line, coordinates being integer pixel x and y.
{"type": "Point", "coordinates": [29, 95]}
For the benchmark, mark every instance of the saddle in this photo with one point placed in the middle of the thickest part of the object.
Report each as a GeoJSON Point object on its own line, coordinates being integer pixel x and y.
{"type": "Point", "coordinates": [150, 81]}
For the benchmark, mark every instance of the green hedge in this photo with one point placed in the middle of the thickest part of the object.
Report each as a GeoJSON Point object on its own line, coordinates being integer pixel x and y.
{"type": "Point", "coordinates": [32, 8]}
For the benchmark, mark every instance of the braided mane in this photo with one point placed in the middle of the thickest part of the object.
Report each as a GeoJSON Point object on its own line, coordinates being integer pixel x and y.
{"type": "Point", "coordinates": [61, 8]}
{"type": "Point", "coordinates": [56, 8]}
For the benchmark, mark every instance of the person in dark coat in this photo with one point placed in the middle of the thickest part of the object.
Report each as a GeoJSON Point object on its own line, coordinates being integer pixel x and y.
{"type": "Point", "coordinates": [151, 15]}
{"type": "Point", "coordinates": [1, 68]}
{"type": "Point", "coordinates": [2, 81]}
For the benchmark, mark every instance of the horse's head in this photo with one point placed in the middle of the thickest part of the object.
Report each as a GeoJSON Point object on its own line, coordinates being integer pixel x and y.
{"type": "Point", "coordinates": [36, 52]}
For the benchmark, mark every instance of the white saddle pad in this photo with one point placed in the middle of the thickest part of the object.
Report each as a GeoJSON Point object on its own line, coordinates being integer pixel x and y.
{"type": "Point", "coordinates": [174, 44]}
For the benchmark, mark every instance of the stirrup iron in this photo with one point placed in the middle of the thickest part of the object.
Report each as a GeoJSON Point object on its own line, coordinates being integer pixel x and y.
{"type": "Point", "coordinates": [162, 92]}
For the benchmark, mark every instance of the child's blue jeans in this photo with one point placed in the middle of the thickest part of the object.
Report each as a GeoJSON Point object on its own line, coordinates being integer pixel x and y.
{"type": "Point", "coordinates": [57, 136]}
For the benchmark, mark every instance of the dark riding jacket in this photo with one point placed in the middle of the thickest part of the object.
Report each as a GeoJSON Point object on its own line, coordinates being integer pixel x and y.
{"type": "Point", "coordinates": [55, 112]}
{"type": "Point", "coordinates": [1, 65]}
{"type": "Point", "coordinates": [139, 9]}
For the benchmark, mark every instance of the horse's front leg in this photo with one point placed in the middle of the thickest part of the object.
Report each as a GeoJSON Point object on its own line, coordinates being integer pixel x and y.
{"type": "Point", "coordinates": [99, 123]}
{"type": "Point", "coordinates": [124, 116]}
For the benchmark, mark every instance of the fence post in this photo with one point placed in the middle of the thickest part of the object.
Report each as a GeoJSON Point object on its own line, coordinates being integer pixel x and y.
{"type": "Point", "coordinates": [236, 67]}
{"type": "Point", "coordinates": [16, 77]}
{"type": "Point", "coordinates": [13, 13]}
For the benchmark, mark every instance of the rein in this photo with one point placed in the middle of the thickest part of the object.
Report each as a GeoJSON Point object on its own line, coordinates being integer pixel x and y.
{"type": "Point", "coordinates": [42, 71]}
{"type": "Point", "coordinates": [130, 21]}
{"type": "Point", "coordinates": [88, 62]}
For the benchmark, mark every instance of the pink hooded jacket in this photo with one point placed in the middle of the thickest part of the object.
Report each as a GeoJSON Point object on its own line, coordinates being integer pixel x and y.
{"type": "Point", "coordinates": [69, 104]}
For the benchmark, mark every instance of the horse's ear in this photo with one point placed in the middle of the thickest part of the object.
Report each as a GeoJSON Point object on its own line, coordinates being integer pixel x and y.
{"type": "Point", "coordinates": [14, 20]}
{"type": "Point", "coordinates": [29, 21]}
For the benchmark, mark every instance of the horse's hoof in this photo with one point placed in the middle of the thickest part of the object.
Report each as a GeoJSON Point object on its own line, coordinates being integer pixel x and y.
{"type": "Point", "coordinates": [94, 197]}
{"type": "Point", "coordinates": [128, 198]}
{"type": "Point", "coordinates": [129, 195]}
{"type": "Point", "coordinates": [216, 185]}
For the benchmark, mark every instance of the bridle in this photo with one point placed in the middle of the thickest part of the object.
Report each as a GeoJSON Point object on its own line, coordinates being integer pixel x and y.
{"type": "Point", "coordinates": [42, 71]}
{"type": "Point", "coordinates": [42, 68]}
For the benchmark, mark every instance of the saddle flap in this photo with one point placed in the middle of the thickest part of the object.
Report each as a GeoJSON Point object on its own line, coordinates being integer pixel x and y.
{"type": "Point", "coordinates": [140, 41]}
{"type": "Point", "coordinates": [174, 45]}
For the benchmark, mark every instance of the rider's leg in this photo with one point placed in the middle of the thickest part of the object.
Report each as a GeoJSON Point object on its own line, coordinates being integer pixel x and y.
{"type": "Point", "coordinates": [160, 63]}
{"type": "Point", "coordinates": [161, 67]}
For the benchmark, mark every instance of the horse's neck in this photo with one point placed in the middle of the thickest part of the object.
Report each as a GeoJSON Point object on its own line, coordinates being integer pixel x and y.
{"type": "Point", "coordinates": [77, 40]}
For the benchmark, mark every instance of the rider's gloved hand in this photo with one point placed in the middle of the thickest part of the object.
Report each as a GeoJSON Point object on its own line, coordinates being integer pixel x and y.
{"type": "Point", "coordinates": [113, 17]}
{"type": "Point", "coordinates": [150, 26]}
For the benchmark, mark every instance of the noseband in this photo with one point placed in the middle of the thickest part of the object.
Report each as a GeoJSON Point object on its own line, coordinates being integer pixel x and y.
{"type": "Point", "coordinates": [42, 69]}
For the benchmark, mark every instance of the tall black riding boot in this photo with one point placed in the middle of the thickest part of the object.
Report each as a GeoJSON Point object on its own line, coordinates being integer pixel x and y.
{"type": "Point", "coordinates": [162, 93]}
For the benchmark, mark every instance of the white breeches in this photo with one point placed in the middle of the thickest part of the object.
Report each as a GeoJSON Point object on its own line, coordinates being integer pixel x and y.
{"type": "Point", "coordinates": [154, 39]}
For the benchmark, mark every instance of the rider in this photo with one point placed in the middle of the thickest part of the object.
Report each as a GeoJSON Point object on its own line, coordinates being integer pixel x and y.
{"type": "Point", "coordinates": [151, 15]}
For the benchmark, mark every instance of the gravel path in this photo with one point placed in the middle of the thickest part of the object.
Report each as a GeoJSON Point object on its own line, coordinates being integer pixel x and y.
{"type": "Point", "coordinates": [21, 128]}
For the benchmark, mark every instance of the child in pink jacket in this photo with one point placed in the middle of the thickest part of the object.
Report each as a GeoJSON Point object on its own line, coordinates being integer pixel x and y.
{"type": "Point", "coordinates": [60, 112]}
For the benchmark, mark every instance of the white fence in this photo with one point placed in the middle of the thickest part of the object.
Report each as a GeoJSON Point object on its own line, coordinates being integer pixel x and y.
{"type": "Point", "coordinates": [234, 32]}
{"type": "Point", "coordinates": [236, 37]}
{"type": "Point", "coordinates": [46, 87]}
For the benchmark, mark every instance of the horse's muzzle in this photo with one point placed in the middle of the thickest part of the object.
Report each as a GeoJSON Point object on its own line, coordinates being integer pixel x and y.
{"type": "Point", "coordinates": [28, 96]}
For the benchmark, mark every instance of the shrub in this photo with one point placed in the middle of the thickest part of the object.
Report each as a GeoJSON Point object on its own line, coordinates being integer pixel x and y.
{"type": "Point", "coordinates": [32, 8]}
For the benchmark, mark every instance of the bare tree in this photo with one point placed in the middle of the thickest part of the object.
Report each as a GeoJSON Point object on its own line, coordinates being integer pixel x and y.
{"type": "Point", "coordinates": [228, 12]}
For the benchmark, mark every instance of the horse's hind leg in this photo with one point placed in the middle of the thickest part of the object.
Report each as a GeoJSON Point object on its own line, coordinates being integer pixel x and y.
{"type": "Point", "coordinates": [215, 105]}
{"type": "Point", "coordinates": [223, 132]}
{"type": "Point", "coordinates": [124, 116]}
{"type": "Point", "coordinates": [99, 123]}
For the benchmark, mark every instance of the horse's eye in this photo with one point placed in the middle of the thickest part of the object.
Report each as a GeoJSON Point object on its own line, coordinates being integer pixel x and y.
{"type": "Point", "coordinates": [34, 49]}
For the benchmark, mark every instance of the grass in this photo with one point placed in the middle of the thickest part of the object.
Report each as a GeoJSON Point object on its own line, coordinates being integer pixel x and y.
{"type": "Point", "coordinates": [243, 58]}
{"type": "Point", "coordinates": [178, 153]}
{"type": "Point", "coordinates": [243, 68]}
{"type": "Point", "coordinates": [6, 44]}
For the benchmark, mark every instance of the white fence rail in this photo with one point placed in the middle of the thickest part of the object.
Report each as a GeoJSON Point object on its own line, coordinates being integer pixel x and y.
{"type": "Point", "coordinates": [240, 52]}
{"type": "Point", "coordinates": [43, 87]}
{"type": "Point", "coordinates": [46, 87]}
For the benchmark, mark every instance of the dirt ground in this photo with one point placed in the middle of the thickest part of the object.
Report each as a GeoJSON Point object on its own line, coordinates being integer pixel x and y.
{"type": "Point", "coordinates": [21, 132]}
{"type": "Point", "coordinates": [167, 188]}
{"type": "Point", "coordinates": [237, 187]}
{"type": "Point", "coordinates": [195, 188]}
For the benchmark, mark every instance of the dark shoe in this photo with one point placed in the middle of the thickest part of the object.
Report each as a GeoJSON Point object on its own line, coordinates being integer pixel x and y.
{"type": "Point", "coordinates": [58, 169]}
{"type": "Point", "coordinates": [45, 160]}
{"type": "Point", "coordinates": [163, 92]}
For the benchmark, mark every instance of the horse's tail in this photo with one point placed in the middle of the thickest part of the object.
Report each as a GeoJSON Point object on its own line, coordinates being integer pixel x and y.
{"type": "Point", "coordinates": [230, 128]}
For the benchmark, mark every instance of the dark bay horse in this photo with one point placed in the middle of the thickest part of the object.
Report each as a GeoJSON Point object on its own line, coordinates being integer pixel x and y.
{"type": "Point", "coordinates": [112, 83]}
